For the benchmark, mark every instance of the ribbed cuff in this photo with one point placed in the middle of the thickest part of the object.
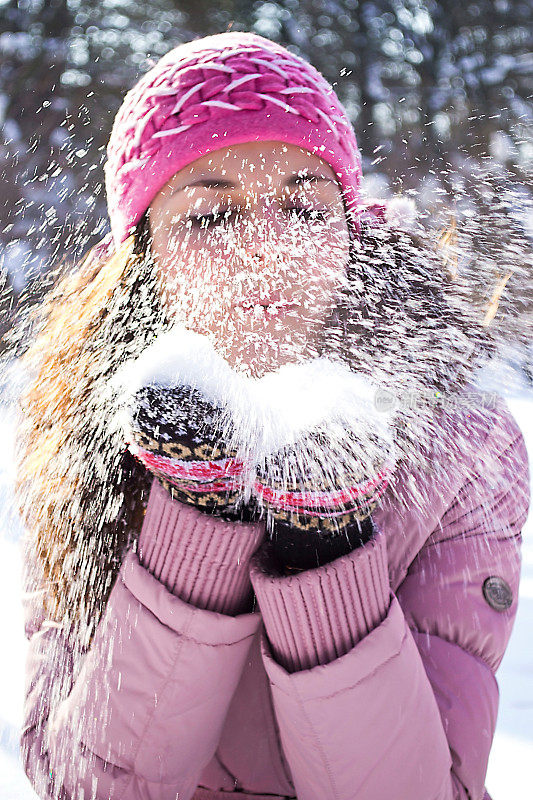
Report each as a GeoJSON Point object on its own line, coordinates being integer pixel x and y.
{"type": "Point", "coordinates": [318, 615]}
{"type": "Point", "coordinates": [202, 559]}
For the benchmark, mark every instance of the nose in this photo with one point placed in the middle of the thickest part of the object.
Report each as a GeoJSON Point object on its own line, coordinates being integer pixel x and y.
{"type": "Point", "coordinates": [258, 274]}
{"type": "Point", "coordinates": [258, 268]}
{"type": "Point", "coordinates": [263, 231]}
{"type": "Point", "coordinates": [264, 261]}
{"type": "Point", "coordinates": [265, 222]}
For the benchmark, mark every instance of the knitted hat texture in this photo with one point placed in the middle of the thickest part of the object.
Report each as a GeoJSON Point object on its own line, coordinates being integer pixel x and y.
{"type": "Point", "coordinates": [214, 92]}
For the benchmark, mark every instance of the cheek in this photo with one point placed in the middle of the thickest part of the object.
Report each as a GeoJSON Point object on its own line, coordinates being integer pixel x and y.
{"type": "Point", "coordinates": [326, 276]}
{"type": "Point", "coordinates": [184, 268]}
{"type": "Point", "coordinates": [329, 271]}
{"type": "Point", "coordinates": [329, 251]}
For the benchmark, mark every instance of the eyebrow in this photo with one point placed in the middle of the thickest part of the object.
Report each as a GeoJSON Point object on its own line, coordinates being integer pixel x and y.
{"type": "Point", "coordinates": [221, 183]}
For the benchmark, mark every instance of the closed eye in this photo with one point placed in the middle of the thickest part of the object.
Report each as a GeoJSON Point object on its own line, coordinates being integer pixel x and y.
{"type": "Point", "coordinates": [308, 213]}
{"type": "Point", "coordinates": [203, 220]}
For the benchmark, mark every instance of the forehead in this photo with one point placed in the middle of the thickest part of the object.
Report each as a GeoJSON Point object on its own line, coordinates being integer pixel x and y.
{"type": "Point", "coordinates": [272, 159]}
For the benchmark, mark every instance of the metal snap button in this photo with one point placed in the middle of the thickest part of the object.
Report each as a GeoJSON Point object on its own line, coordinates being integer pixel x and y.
{"type": "Point", "coordinates": [497, 593]}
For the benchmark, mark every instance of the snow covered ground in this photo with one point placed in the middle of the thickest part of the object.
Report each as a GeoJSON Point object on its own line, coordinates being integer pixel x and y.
{"type": "Point", "coordinates": [510, 773]}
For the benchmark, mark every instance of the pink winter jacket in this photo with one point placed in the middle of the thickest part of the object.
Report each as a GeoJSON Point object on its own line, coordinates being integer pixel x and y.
{"type": "Point", "coordinates": [369, 678]}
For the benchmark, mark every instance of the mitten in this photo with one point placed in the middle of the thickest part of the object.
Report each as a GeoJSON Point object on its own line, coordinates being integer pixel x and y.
{"type": "Point", "coordinates": [176, 420]}
{"type": "Point", "coordinates": [320, 487]}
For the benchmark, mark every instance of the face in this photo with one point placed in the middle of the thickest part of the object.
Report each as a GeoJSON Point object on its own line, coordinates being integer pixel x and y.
{"type": "Point", "coordinates": [251, 245]}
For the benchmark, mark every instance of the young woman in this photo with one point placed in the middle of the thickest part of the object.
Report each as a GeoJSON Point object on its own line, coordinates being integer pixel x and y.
{"type": "Point", "coordinates": [183, 643]}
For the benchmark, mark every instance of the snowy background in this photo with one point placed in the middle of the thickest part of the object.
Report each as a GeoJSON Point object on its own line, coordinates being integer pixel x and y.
{"type": "Point", "coordinates": [510, 773]}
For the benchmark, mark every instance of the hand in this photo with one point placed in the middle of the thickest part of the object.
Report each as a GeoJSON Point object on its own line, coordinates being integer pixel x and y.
{"type": "Point", "coordinates": [176, 421]}
{"type": "Point", "coordinates": [313, 520]}
{"type": "Point", "coordinates": [319, 491]}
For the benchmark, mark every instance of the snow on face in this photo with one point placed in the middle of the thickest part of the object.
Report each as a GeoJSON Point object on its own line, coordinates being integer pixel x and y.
{"type": "Point", "coordinates": [251, 244]}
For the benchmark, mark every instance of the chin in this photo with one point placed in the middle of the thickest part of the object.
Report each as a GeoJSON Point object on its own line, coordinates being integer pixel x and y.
{"type": "Point", "coordinates": [258, 359]}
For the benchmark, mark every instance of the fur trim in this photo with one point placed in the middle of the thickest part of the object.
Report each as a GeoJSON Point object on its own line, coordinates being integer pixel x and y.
{"type": "Point", "coordinates": [401, 212]}
{"type": "Point", "coordinates": [263, 414]}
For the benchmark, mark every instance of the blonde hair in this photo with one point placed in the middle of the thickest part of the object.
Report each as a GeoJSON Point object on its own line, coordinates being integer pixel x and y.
{"type": "Point", "coordinates": [80, 494]}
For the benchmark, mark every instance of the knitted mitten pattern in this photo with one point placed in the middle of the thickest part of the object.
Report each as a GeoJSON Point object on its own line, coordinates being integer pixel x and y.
{"type": "Point", "coordinates": [325, 462]}
{"type": "Point", "coordinates": [175, 415]}
{"type": "Point", "coordinates": [320, 503]}
{"type": "Point", "coordinates": [177, 434]}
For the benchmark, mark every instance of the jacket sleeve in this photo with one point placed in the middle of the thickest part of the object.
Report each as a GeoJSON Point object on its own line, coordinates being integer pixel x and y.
{"type": "Point", "coordinates": [142, 714]}
{"type": "Point", "coordinates": [382, 694]}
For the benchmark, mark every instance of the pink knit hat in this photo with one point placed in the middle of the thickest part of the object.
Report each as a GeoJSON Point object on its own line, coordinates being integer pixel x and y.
{"type": "Point", "coordinates": [214, 92]}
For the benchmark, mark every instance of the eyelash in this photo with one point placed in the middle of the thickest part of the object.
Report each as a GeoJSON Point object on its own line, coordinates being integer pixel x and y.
{"type": "Point", "coordinates": [317, 214]}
